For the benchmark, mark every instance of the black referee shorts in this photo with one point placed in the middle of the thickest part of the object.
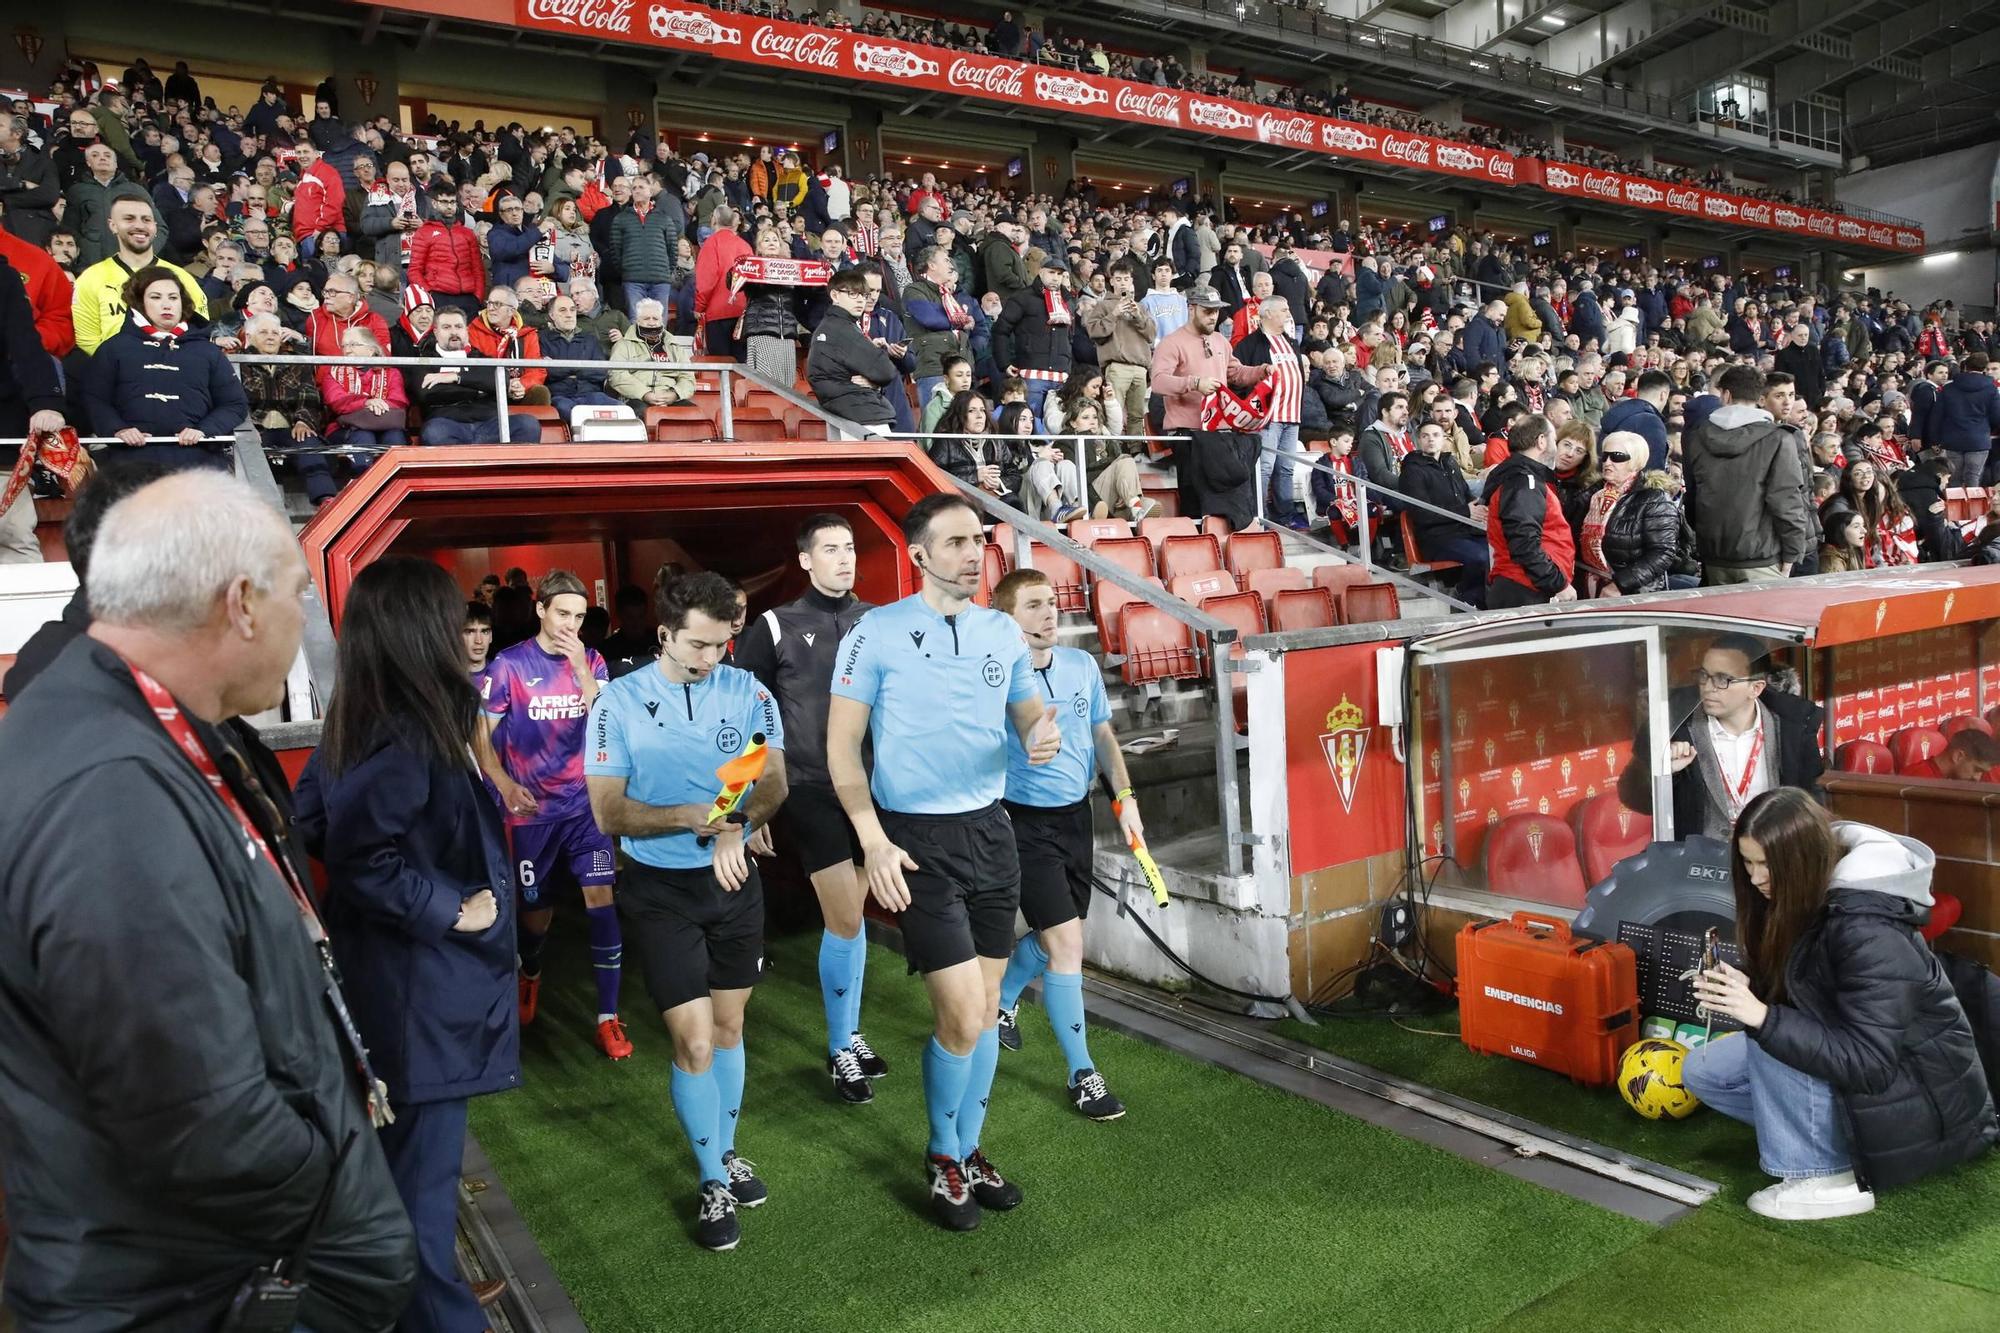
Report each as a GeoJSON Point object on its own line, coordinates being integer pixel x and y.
{"type": "Point", "coordinates": [1054, 846]}
{"type": "Point", "coordinates": [690, 936]}
{"type": "Point", "coordinates": [965, 888]}
{"type": "Point", "coordinates": [812, 821]}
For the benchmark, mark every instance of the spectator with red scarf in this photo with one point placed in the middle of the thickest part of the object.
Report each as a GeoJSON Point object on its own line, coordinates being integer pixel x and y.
{"type": "Point", "coordinates": [718, 302]}
{"type": "Point", "coordinates": [499, 333]}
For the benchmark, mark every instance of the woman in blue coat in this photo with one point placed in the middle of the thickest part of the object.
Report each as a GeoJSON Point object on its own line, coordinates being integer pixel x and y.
{"type": "Point", "coordinates": [420, 898]}
{"type": "Point", "coordinates": [154, 379]}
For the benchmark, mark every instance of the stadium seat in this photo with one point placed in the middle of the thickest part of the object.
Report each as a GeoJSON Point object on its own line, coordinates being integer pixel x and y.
{"type": "Point", "coordinates": [1192, 588]}
{"type": "Point", "coordinates": [1252, 551]}
{"type": "Point", "coordinates": [1366, 603]}
{"type": "Point", "coordinates": [1337, 578]}
{"type": "Point", "coordinates": [1188, 555]}
{"type": "Point", "coordinates": [553, 429]}
{"type": "Point", "coordinates": [1107, 605]}
{"type": "Point", "coordinates": [991, 570]}
{"type": "Point", "coordinates": [1533, 856]}
{"type": "Point", "coordinates": [1003, 537]}
{"type": "Point", "coordinates": [1129, 553]}
{"type": "Point", "coordinates": [1607, 833]}
{"type": "Point", "coordinates": [681, 423]}
{"type": "Point", "coordinates": [1864, 757]}
{"type": "Point", "coordinates": [1244, 613]}
{"type": "Point", "coordinates": [1157, 530]}
{"type": "Point", "coordinates": [752, 425]}
{"type": "Point", "coordinates": [1157, 647]}
{"type": "Point", "coordinates": [1964, 504]}
{"type": "Point", "coordinates": [1416, 563]}
{"type": "Point", "coordinates": [1913, 745]}
{"type": "Point", "coordinates": [1304, 608]}
{"type": "Point", "coordinates": [1268, 583]}
{"type": "Point", "coordinates": [1216, 526]}
{"type": "Point", "coordinates": [808, 428]}
{"type": "Point", "coordinates": [1951, 726]}
{"type": "Point", "coordinates": [1166, 500]}
{"type": "Point", "coordinates": [1065, 576]}
{"type": "Point", "coordinates": [1089, 531]}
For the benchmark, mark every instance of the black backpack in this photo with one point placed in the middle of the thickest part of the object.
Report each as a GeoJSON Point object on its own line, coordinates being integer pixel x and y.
{"type": "Point", "coordinates": [1978, 992]}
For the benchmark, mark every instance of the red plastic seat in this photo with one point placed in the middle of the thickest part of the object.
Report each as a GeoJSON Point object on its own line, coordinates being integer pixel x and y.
{"type": "Point", "coordinates": [1304, 608]}
{"type": "Point", "coordinates": [1166, 500]}
{"type": "Point", "coordinates": [808, 428]}
{"type": "Point", "coordinates": [1268, 583]}
{"type": "Point", "coordinates": [681, 423]}
{"type": "Point", "coordinates": [1864, 757]}
{"type": "Point", "coordinates": [1157, 647]}
{"type": "Point", "coordinates": [1607, 833]}
{"type": "Point", "coordinates": [1157, 529]}
{"type": "Point", "coordinates": [1338, 578]}
{"type": "Point", "coordinates": [751, 426]}
{"type": "Point", "coordinates": [1129, 553]}
{"type": "Point", "coordinates": [991, 570]}
{"type": "Point", "coordinates": [1193, 587]}
{"type": "Point", "coordinates": [1951, 726]}
{"type": "Point", "coordinates": [1533, 856]}
{"type": "Point", "coordinates": [1411, 557]}
{"type": "Point", "coordinates": [1188, 555]}
{"type": "Point", "coordinates": [1065, 576]}
{"type": "Point", "coordinates": [554, 431]}
{"type": "Point", "coordinates": [1089, 531]}
{"type": "Point", "coordinates": [1252, 551]}
{"type": "Point", "coordinates": [1216, 526]}
{"type": "Point", "coordinates": [1244, 613]}
{"type": "Point", "coordinates": [1107, 605]}
{"type": "Point", "coordinates": [1913, 745]}
{"type": "Point", "coordinates": [1366, 603]}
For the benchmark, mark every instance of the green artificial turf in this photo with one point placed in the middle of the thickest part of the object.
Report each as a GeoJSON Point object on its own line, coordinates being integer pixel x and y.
{"type": "Point", "coordinates": [1945, 1228]}
{"type": "Point", "coordinates": [1214, 1204]}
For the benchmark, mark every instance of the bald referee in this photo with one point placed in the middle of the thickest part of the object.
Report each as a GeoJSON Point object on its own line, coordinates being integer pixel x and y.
{"type": "Point", "coordinates": [936, 682]}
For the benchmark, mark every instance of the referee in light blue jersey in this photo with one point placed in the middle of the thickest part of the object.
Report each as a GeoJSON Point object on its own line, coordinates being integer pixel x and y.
{"type": "Point", "coordinates": [936, 682]}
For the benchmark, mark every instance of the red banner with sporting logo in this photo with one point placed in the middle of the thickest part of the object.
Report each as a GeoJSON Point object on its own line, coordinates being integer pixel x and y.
{"type": "Point", "coordinates": [778, 45]}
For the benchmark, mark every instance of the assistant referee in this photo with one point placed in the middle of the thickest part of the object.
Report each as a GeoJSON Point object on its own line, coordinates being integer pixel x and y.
{"type": "Point", "coordinates": [935, 682]}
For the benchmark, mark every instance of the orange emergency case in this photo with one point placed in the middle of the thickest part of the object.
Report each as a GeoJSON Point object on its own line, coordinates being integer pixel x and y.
{"type": "Point", "coordinates": [1529, 990]}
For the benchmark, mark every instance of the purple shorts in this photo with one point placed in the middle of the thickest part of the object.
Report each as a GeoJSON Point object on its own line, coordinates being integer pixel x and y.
{"type": "Point", "coordinates": [571, 848]}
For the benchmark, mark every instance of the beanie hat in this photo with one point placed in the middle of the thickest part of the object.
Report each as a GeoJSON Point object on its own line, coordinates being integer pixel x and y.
{"type": "Point", "coordinates": [414, 296]}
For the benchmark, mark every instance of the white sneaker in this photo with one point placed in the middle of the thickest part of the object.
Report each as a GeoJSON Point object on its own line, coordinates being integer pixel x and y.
{"type": "Point", "coordinates": [1813, 1198]}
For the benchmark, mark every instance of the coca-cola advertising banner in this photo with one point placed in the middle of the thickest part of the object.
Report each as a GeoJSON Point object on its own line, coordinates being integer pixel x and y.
{"type": "Point", "coordinates": [776, 45]}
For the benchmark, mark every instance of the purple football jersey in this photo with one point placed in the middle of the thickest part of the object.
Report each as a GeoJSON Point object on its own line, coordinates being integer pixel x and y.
{"type": "Point", "coordinates": [539, 704]}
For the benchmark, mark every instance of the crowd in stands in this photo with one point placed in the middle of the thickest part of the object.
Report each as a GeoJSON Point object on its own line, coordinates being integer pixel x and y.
{"type": "Point", "coordinates": [1041, 344]}
{"type": "Point", "coordinates": [1010, 36]}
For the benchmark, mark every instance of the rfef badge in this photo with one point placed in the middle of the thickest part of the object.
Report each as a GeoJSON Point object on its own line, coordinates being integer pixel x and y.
{"type": "Point", "coordinates": [1345, 741]}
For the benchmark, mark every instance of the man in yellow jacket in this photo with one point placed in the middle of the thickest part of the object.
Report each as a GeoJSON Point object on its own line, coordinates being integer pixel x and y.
{"type": "Point", "coordinates": [98, 307]}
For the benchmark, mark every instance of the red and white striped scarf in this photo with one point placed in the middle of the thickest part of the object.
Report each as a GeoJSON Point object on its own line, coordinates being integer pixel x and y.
{"type": "Point", "coordinates": [1058, 308]}
{"type": "Point", "coordinates": [866, 239]}
{"type": "Point", "coordinates": [362, 381]}
{"type": "Point", "coordinates": [1344, 502]}
{"type": "Point", "coordinates": [171, 337]}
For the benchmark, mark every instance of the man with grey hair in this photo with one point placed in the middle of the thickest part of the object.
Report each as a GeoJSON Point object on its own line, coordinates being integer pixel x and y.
{"type": "Point", "coordinates": [183, 1094]}
{"type": "Point", "coordinates": [28, 184]}
{"type": "Point", "coordinates": [649, 342]}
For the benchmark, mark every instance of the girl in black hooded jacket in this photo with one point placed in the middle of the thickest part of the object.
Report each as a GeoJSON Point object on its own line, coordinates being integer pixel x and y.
{"type": "Point", "coordinates": [1857, 1065]}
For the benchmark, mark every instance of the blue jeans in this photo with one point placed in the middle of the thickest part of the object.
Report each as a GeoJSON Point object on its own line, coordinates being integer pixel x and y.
{"type": "Point", "coordinates": [521, 429]}
{"type": "Point", "coordinates": [635, 292]}
{"type": "Point", "coordinates": [1037, 391]}
{"type": "Point", "coordinates": [1277, 436]}
{"type": "Point", "coordinates": [588, 398]}
{"type": "Point", "coordinates": [926, 386]}
{"type": "Point", "coordinates": [1473, 557]}
{"type": "Point", "coordinates": [1797, 1121]}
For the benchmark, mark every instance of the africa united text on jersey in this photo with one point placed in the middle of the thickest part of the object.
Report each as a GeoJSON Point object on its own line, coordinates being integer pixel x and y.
{"type": "Point", "coordinates": [666, 740]}
{"type": "Point", "coordinates": [539, 704]}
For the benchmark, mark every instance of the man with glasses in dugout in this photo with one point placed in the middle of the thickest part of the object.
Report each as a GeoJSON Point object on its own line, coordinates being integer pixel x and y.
{"type": "Point", "coordinates": [1734, 737]}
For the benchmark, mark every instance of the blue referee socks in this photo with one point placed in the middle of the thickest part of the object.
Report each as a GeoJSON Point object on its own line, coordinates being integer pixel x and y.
{"type": "Point", "coordinates": [1027, 962]}
{"type": "Point", "coordinates": [728, 1071]}
{"type": "Point", "coordinates": [945, 1077]}
{"type": "Point", "coordinates": [698, 1106]}
{"type": "Point", "coordinates": [1062, 996]}
{"type": "Point", "coordinates": [840, 965]}
{"type": "Point", "coordinates": [607, 954]}
{"type": "Point", "coordinates": [978, 1090]}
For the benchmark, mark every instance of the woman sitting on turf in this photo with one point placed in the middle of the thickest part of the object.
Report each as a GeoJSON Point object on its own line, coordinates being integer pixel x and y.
{"type": "Point", "coordinates": [1857, 1067]}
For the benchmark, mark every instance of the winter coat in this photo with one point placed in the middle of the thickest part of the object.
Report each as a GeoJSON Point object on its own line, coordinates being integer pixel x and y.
{"type": "Point", "coordinates": [1746, 491]}
{"type": "Point", "coordinates": [87, 212]}
{"type": "Point", "coordinates": [1642, 419]}
{"type": "Point", "coordinates": [176, 1087]}
{"type": "Point", "coordinates": [1005, 271]}
{"type": "Point", "coordinates": [647, 248]}
{"type": "Point", "coordinates": [445, 260]}
{"type": "Point", "coordinates": [469, 398]}
{"type": "Point", "coordinates": [579, 346]}
{"type": "Point", "coordinates": [1806, 368]}
{"type": "Point", "coordinates": [935, 338]}
{"type": "Point", "coordinates": [1800, 760]}
{"type": "Point", "coordinates": [635, 383]}
{"type": "Point", "coordinates": [1525, 529]}
{"type": "Point", "coordinates": [771, 311]}
{"type": "Point", "coordinates": [1642, 536]}
{"type": "Point", "coordinates": [1437, 481]}
{"type": "Point", "coordinates": [509, 247]}
{"type": "Point", "coordinates": [956, 457]}
{"type": "Point", "coordinates": [1483, 340]}
{"type": "Point", "coordinates": [514, 342]}
{"type": "Point", "coordinates": [1966, 415]}
{"type": "Point", "coordinates": [1022, 335]}
{"type": "Point", "coordinates": [347, 388]}
{"type": "Point", "coordinates": [324, 330]}
{"type": "Point", "coordinates": [30, 190]}
{"type": "Point", "coordinates": [1522, 321]}
{"type": "Point", "coordinates": [405, 840]}
{"type": "Point", "coordinates": [290, 391]}
{"type": "Point", "coordinates": [714, 299]}
{"type": "Point", "coordinates": [1869, 1009]}
{"type": "Point", "coordinates": [840, 350]}
{"type": "Point", "coordinates": [318, 202]}
{"type": "Point", "coordinates": [162, 386]}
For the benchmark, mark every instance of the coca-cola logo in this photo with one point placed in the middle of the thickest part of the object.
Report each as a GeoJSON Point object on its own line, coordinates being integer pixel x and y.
{"type": "Point", "coordinates": [690, 25]}
{"type": "Point", "coordinates": [999, 80]}
{"type": "Point", "coordinates": [1161, 106]}
{"type": "Point", "coordinates": [1760, 214]}
{"type": "Point", "coordinates": [1407, 148]}
{"type": "Point", "coordinates": [1790, 217]}
{"type": "Point", "coordinates": [1346, 139]}
{"type": "Point", "coordinates": [1286, 129]}
{"type": "Point", "coordinates": [821, 50]}
{"type": "Point", "coordinates": [1217, 115]}
{"type": "Point", "coordinates": [613, 16]}
{"type": "Point", "coordinates": [1561, 178]}
{"type": "Point", "coordinates": [1716, 206]}
{"type": "Point", "coordinates": [1685, 201]}
{"type": "Point", "coordinates": [1644, 192]}
{"type": "Point", "coordinates": [1603, 184]}
{"type": "Point", "coordinates": [898, 62]}
{"type": "Point", "coordinates": [1819, 224]}
{"type": "Point", "coordinates": [1500, 166]}
{"type": "Point", "coordinates": [1068, 91]}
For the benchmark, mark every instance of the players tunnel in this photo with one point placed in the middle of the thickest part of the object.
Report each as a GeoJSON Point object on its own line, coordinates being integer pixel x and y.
{"type": "Point", "coordinates": [615, 513]}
